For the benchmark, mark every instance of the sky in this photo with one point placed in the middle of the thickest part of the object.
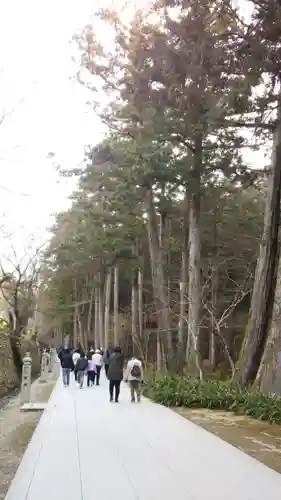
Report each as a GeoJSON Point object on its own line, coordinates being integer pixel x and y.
{"type": "Point", "coordinates": [50, 112]}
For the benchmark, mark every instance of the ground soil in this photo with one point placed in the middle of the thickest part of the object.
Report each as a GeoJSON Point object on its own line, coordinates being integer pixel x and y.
{"type": "Point", "coordinates": [16, 430]}
{"type": "Point", "coordinates": [258, 439]}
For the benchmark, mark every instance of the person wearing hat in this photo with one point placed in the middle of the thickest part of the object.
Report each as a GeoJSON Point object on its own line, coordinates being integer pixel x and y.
{"type": "Point", "coordinates": [97, 361]}
{"type": "Point", "coordinates": [91, 367]}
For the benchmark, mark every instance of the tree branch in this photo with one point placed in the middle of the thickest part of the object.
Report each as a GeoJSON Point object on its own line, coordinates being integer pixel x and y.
{"type": "Point", "coordinates": [252, 125]}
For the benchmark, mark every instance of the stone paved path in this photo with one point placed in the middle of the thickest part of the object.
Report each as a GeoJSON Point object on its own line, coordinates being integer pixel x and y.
{"type": "Point", "coordinates": [86, 448]}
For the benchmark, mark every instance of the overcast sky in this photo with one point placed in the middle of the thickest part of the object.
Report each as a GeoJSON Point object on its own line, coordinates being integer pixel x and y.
{"type": "Point", "coordinates": [35, 57]}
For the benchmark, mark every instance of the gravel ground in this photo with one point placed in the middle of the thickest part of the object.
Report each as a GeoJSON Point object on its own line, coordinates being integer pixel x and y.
{"type": "Point", "coordinates": [16, 429]}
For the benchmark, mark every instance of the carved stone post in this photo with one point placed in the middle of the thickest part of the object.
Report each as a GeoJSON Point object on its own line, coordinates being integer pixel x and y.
{"type": "Point", "coordinates": [26, 379]}
{"type": "Point", "coordinates": [44, 367]}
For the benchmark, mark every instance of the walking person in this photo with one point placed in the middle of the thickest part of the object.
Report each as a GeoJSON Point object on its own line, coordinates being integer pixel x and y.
{"type": "Point", "coordinates": [75, 357]}
{"type": "Point", "coordinates": [91, 368]}
{"type": "Point", "coordinates": [97, 361]}
{"type": "Point", "coordinates": [106, 358]}
{"type": "Point", "coordinates": [134, 375]}
{"type": "Point", "coordinates": [67, 365]}
{"type": "Point", "coordinates": [81, 367]}
{"type": "Point", "coordinates": [115, 373]}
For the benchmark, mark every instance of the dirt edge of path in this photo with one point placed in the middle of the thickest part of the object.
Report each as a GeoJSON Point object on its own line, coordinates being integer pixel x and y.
{"type": "Point", "coordinates": [260, 440]}
{"type": "Point", "coordinates": [16, 430]}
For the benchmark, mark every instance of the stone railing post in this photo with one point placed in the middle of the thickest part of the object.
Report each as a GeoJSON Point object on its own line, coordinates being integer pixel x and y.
{"type": "Point", "coordinates": [26, 379]}
{"type": "Point", "coordinates": [50, 361]}
{"type": "Point", "coordinates": [44, 367]}
{"type": "Point", "coordinates": [52, 358]}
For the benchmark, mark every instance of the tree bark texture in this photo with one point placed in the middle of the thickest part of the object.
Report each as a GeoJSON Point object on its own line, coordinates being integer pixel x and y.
{"type": "Point", "coordinates": [266, 270]}
{"type": "Point", "coordinates": [157, 271]}
{"type": "Point", "coordinates": [107, 307]}
{"type": "Point", "coordinates": [116, 306]}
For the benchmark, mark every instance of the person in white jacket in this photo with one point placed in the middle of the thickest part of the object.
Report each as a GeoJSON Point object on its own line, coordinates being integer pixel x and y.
{"type": "Point", "coordinates": [134, 375]}
{"type": "Point", "coordinates": [98, 362]}
{"type": "Point", "coordinates": [75, 357]}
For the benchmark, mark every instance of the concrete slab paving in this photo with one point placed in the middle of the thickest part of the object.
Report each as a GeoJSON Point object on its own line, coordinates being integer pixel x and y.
{"type": "Point", "coordinates": [85, 447]}
{"type": "Point", "coordinates": [34, 406]}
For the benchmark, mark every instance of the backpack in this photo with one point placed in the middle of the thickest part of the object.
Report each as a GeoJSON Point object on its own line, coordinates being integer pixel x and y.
{"type": "Point", "coordinates": [81, 364]}
{"type": "Point", "coordinates": [136, 371]}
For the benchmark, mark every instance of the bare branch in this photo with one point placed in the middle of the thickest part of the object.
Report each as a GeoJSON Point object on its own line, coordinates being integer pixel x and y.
{"type": "Point", "coordinates": [252, 125]}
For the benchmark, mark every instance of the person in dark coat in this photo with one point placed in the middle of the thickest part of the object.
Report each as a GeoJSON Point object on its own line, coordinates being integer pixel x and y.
{"type": "Point", "coordinates": [66, 361]}
{"type": "Point", "coordinates": [91, 367]}
{"type": "Point", "coordinates": [81, 367]}
{"type": "Point", "coordinates": [115, 373]}
{"type": "Point", "coordinates": [106, 358]}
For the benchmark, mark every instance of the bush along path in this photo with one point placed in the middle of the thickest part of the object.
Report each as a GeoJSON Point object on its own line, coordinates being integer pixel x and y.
{"type": "Point", "coordinates": [176, 391]}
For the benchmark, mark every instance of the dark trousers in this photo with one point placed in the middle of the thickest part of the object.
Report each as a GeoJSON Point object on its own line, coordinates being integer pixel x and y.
{"type": "Point", "coordinates": [106, 369]}
{"type": "Point", "coordinates": [114, 384]}
{"type": "Point", "coordinates": [75, 375]}
{"type": "Point", "coordinates": [66, 376]}
{"type": "Point", "coordinates": [80, 377]}
{"type": "Point", "coordinates": [90, 378]}
{"type": "Point", "coordinates": [96, 375]}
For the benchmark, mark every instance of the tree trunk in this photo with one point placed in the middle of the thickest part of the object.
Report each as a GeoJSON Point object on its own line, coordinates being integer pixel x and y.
{"type": "Point", "coordinates": [158, 353]}
{"type": "Point", "coordinates": [90, 310]}
{"type": "Point", "coordinates": [158, 278]}
{"type": "Point", "coordinates": [116, 305]}
{"type": "Point", "coordinates": [168, 259]}
{"type": "Point", "coordinates": [107, 307]}
{"type": "Point", "coordinates": [214, 293]}
{"type": "Point", "coordinates": [194, 281]}
{"type": "Point", "coordinates": [212, 343]}
{"type": "Point", "coordinates": [183, 304]}
{"type": "Point", "coordinates": [266, 270]}
{"type": "Point", "coordinates": [134, 313]}
{"type": "Point", "coordinates": [81, 335]}
{"type": "Point", "coordinates": [194, 292]}
{"type": "Point", "coordinates": [183, 286]}
{"type": "Point", "coordinates": [34, 331]}
{"type": "Point", "coordinates": [267, 379]}
{"type": "Point", "coordinates": [97, 333]}
{"type": "Point", "coordinates": [140, 302]}
{"type": "Point", "coordinates": [75, 332]}
{"type": "Point", "coordinates": [101, 314]}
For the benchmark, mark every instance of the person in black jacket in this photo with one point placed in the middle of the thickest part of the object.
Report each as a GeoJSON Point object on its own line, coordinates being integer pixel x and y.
{"type": "Point", "coordinates": [81, 366]}
{"type": "Point", "coordinates": [115, 373]}
{"type": "Point", "coordinates": [106, 358]}
{"type": "Point", "coordinates": [66, 361]}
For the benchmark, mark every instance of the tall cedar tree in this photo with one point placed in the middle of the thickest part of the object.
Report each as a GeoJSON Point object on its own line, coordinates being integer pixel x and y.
{"type": "Point", "coordinates": [175, 67]}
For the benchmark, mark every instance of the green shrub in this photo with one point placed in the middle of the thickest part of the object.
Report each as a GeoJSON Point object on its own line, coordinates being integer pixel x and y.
{"type": "Point", "coordinates": [173, 390]}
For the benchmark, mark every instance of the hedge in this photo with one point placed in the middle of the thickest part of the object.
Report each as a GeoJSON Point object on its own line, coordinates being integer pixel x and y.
{"type": "Point", "coordinates": [176, 391]}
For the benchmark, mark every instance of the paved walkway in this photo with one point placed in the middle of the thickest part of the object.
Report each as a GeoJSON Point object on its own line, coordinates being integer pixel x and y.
{"type": "Point", "coordinates": [86, 448]}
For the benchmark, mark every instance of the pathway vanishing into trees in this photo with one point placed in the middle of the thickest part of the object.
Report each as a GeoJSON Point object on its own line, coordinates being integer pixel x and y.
{"type": "Point", "coordinates": [85, 447]}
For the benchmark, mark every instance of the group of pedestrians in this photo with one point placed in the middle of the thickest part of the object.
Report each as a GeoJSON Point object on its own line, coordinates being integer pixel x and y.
{"type": "Point", "coordinates": [95, 362]}
{"type": "Point", "coordinates": [90, 364]}
{"type": "Point", "coordinates": [81, 364]}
